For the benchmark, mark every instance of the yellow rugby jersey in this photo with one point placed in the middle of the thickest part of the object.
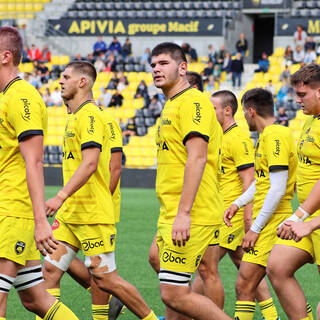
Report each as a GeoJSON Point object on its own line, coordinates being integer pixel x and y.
{"type": "Point", "coordinates": [115, 137]}
{"type": "Point", "coordinates": [92, 203]}
{"type": "Point", "coordinates": [188, 112]}
{"type": "Point", "coordinates": [275, 150]}
{"type": "Point", "coordinates": [308, 171]}
{"type": "Point", "coordinates": [22, 114]}
{"type": "Point", "coordinates": [237, 154]}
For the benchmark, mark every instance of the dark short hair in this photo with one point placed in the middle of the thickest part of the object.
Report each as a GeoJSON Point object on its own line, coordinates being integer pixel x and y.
{"type": "Point", "coordinates": [308, 75]}
{"type": "Point", "coordinates": [259, 99]}
{"type": "Point", "coordinates": [195, 80]}
{"type": "Point", "coordinates": [11, 40]}
{"type": "Point", "coordinates": [228, 99]}
{"type": "Point", "coordinates": [170, 48]}
{"type": "Point", "coordinates": [84, 67]}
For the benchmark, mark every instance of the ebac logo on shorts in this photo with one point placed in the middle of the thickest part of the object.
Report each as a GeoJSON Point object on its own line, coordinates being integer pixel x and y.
{"type": "Point", "coordinates": [253, 252]}
{"type": "Point", "coordinates": [172, 256]}
{"type": "Point", "coordinates": [88, 244]}
{"type": "Point", "coordinates": [19, 248]}
{"type": "Point", "coordinates": [55, 225]}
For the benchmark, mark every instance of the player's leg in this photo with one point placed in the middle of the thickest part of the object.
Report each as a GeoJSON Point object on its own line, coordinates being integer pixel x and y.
{"type": "Point", "coordinates": [31, 289]}
{"type": "Point", "coordinates": [283, 262]}
{"type": "Point", "coordinates": [318, 308]}
{"type": "Point", "coordinates": [79, 272]}
{"type": "Point", "coordinates": [248, 279]}
{"type": "Point", "coordinates": [153, 256]}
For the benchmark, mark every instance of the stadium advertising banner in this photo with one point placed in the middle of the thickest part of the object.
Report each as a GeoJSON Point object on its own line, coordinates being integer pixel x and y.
{"type": "Point", "coordinates": [264, 4]}
{"type": "Point", "coordinates": [136, 27]}
{"type": "Point", "coordinates": [287, 26]}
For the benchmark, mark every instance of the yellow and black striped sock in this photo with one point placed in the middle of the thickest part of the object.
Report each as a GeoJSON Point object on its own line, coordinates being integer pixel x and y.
{"type": "Point", "coordinates": [59, 312]}
{"type": "Point", "coordinates": [100, 312]}
{"type": "Point", "coordinates": [244, 310]}
{"type": "Point", "coordinates": [54, 292]}
{"type": "Point", "coordinates": [268, 309]}
{"type": "Point", "coordinates": [309, 312]}
{"type": "Point", "coordinates": [150, 316]}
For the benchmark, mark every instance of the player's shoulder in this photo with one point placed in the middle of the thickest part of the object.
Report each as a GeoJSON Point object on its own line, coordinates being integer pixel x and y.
{"type": "Point", "coordinates": [21, 89]}
{"type": "Point", "coordinates": [277, 129]}
{"type": "Point", "coordinates": [88, 108]}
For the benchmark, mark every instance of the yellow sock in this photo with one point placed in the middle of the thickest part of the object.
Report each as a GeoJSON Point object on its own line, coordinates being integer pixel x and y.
{"type": "Point", "coordinates": [2, 318]}
{"type": "Point", "coordinates": [309, 312]}
{"type": "Point", "coordinates": [307, 318]}
{"type": "Point", "coordinates": [89, 289]}
{"type": "Point", "coordinates": [54, 292]}
{"type": "Point", "coordinates": [59, 312]}
{"type": "Point", "coordinates": [244, 310]}
{"type": "Point", "coordinates": [150, 316]}
{"type": "Point", "coordinates": [268, 309]}
{"type": "Point", "coordinates": [100, 312]}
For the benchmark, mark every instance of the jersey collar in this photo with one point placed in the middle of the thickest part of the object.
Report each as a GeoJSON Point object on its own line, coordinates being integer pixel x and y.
{"type": "Point", "coordinates": [82, 105]}
{"type": "Point", "coordinates": [180, 93]}
{"type": "Point", "coordinates": [230, 128]}
{"type": "Point", "coordinates": [10, 84]}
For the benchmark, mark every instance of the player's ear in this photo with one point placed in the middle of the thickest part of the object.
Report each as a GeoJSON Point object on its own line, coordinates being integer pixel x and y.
{"type": "Point", "coordinates": [83, 82]}
{"type": "Point", "coordinates": [318, 93]}
{"type": "Point", "coordinates": [6, 56]}
{"type": "Point", "coordinates": [183, 68]}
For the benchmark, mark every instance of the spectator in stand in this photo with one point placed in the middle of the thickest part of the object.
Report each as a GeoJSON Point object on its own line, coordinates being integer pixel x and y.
{"type": "Point", "coordinates": [190, 52]}
{"type": "Point", "coordinates": [310, 43]}
{"type": "Point", "coordinates": [44, 73]}
{"type": "Point", "coordinates": [99, 46]}
{"type": "Point", "coordinates": [298, 55]}
{"type": "Point", "coordinates": [270, 87]}
{"type": "Point", "coordinates": [226, 65]}
{"type": "Point", "coordinates": [25, 57]}
{"type": "Point", "coordinates": [34, 53]}
{"type": "Point", "coordinates": [263, 63]}
{"type": "Point", "coordinates": [115, 46]}
{"type": "Point", "coordinates": [46, 97]}
{"type": "Point", "coordinates": [99, 64]}
{"type": "Point", "coordinates": [113, 82]}
{"type": "Point", "coordinates": [35, 79]}
{"type": "Point", "coordinates": [212, 54]}
{"type": "Point", "coordinates": [55, 97]}
{"type": "Point", "coordinates": [217, 73]}
{"type": "Point", "coordinates": [91, 58]}
{"type": "Point", "coordinates": [45, 54]}
{"type": "Point", "coordinates": [221, 53]}
{"type": "Point", "coordinates": [285, 74]}
{"type": "Point", "coordinates": [211, 84]}
{"type": "Point", "coordinates": [318, 54]}
{"type": "Point", "coordinates": [126, 48]}
{"type": "Point", "coordinates": [282, 117]}
{"type": "Point", "coordinates": [123, 83]}
{"type": "Point", "coordinates": [122, 125]}
{"type": "Point", "coordinates": [142, 90]}
{"type": "Point", "coordinates": [237, 69]}
{"type": "Point", "coordinates": [104, 98]}
{"type": "Point", "coordinates": [130, 129]}
{"type": "Point", "coordinates": [242, 45]}
{"type": "Point", "coordinates": [111, 63]}
{"type": "Point", "coordinates": [282, 95]}
{"type": "Point", "coordinates": [116, 99]}
{"type": "Point", "coordinates": [300, 36]}
{"type": "Point", "coordinates": [310, 56]}
{"type": "Point", "coordinates": [23, 33]}
{"type": "Point", "coordinates": [155, 106]}
{"type": "Point", "coordinates": [145, 60]}
{"type": "Point", "coordinates": [288, 56]}
{"type": "Point", "coordinates": [208, 71]}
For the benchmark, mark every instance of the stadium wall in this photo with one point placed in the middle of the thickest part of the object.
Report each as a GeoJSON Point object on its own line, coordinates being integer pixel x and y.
{"type": "Point", "coordinates": [130, 178]}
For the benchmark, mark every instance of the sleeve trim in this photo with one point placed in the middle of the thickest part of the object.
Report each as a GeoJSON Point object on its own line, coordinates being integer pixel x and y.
{"type": "Point", "coordinates": [28, 133]}
{"type": "Point", "coordinates": [245, 166]}
{"type": "Point", "coordinates": [116, 149]}
{"type": "Point", "coordinates": [277, 168]}
{"type": "Point", "coordinates": [91, 144]}
{"type": "Point", "coordinates": [203, 136]}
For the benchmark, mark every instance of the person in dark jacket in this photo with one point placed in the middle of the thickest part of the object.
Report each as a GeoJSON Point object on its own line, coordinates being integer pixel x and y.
{"type": "Point", "coordinates": [237, 69]}
{"type": "Point", "coordinates": [242, 45]}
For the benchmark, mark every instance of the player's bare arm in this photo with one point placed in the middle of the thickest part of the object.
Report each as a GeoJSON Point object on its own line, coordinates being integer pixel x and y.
{"type": "Point", "coordinates": [115, 170]}
{"type": "Point", "coordinates": [89, 164]}
{"type": "Point", "coordinates": [196, 161]}
{"type": "Point", "coordinates": [302, 229]}
{"type": "Point", "coordinates": [32, 152]}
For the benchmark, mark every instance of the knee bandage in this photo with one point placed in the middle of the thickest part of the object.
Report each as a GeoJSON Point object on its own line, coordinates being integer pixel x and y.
{"type": "Point", "coordinates": [62, 257]}
{"type": "Point", "coordinates": [28, 277]}
{"type": "Point", "coordinates": [174, 278]}
{"type": "Point", "coordinates": [101, 263]}
{"type": "Point", "coordinates": [5, 283]}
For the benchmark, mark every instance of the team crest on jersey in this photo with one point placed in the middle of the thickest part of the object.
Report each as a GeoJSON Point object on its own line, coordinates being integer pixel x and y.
{"type": "Point", "coordinates": [112, 237]}
{"type": "Point", "coordinates": [55, 225]}
{"type": "Point", "coordinates": [19, 248]}
{"type": "Point", "coordinates": [216, 234]}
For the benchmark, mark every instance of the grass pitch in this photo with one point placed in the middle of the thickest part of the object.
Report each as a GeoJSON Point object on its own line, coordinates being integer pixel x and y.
{"type": "Point", "coordinates": [139, 212]}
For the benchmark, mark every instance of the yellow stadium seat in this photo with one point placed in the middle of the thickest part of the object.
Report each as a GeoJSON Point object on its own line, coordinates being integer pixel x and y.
{"type": "Point", "coordinates": [294, 67]}
{"type": "Point", "coordinates": [64, 60]}
{"type": "Point", "coordinates": [258, 76]}
{"type": "Point", "coordinates": [138, 103]}
{"type": "Point", "coordinates": [26, 67]}
{"type": "Point", "coordinates": [279, 52]}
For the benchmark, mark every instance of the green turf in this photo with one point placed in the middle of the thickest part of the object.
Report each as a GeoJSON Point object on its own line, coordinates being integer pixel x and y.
{"type": "Point", "coordinates": [135, 232]}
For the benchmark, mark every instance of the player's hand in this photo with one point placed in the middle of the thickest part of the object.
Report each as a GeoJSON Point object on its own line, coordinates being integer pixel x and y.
{"type": "Point", "coordinates": [229, 213]}
{"type": "Point", "coordinates": [45, 241]}
{"type": "Point", "coordinates": [300, 230]}
{"type": "Point", "coordinates": [284, 230]}
{"type": "Point", "coordinates": [52, 205]}
{"type": "Point", "coordinates": [181, 229]}
{"type": "Point", "coordinates": [249, 240]}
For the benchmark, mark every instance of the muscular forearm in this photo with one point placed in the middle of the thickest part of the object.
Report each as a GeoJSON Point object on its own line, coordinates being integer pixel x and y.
{"type": "Point", "coordinates": [114, 179]}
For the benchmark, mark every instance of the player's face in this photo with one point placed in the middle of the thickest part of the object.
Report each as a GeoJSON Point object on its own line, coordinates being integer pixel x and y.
{"type": "Point", "coordinates": [248, 114]}
{"type": "Point", "coordinates": [308, 98]}
{"type": "Point", "coordinates": [165, 71]}
{"type": "Point", "coordinates": [219, 109]}
{"type": "Point", "coordinates": [69, 84]}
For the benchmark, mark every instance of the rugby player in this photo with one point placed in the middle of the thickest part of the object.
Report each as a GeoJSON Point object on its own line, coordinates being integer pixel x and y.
{"type": "Point", "coordinates": [86, 219]}
{"type": "Point", "coordinates": [272, 190]}
{"type": "Point", "coordinates": [24, 227]}
{"type": "Point", "coordinates": [237, 174]}
{"type": "Point", "coordinates": [189, 142]}
{"type": "Point", "coordinates": [288, 254]}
